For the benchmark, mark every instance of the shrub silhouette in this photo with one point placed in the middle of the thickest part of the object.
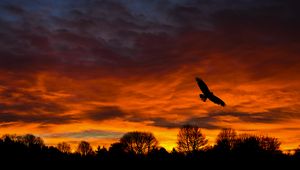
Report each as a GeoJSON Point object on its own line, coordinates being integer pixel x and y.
{"type": "Point", "coordinates": [256, 147]}
{"type": "Point", "coordinates": [159, 154]}
{"type": "Point", "coordinates": [117, 151]}
{"type": "Point", "coordinates": [102, 153]}
{"type": "Point", "coordinates": [26, 147]}
{"type": "Point", "coordinates": [297, 153]}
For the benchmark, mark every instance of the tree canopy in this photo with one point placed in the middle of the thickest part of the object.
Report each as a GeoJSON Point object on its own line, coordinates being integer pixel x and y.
{"type": "Point", "coordinates": [139, 142]}
{"type": "Point", "coordinates": [190, 139]}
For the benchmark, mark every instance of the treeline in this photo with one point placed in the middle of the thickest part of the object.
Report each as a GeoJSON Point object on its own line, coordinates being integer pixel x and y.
{"type": "Point", "coordinates": [191, 145]}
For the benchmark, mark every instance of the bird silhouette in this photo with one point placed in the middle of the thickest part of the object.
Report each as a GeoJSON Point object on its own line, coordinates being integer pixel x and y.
{"type": "Point", "coordinates": [207, 94]}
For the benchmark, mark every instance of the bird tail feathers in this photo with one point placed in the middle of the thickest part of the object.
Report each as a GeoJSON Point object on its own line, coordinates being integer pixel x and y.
{"type": "Point", "coordinates": [203, 97]}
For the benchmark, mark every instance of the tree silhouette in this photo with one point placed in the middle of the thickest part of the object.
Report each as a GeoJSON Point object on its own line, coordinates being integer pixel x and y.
{"type": "Point", "coordinates": [176, 155]}
{"type": "Point", "coordinates": [297, 153]}
{"type": "Point", "coordinates": [143, 146]}
{"type": "Point", "coordinates": [117, 151]}
{"type": "Point", "coordinates": [226, 140]}
{"type": "Point", "coordinates": [64, 147]}
{"type": "Point", "coordinates": [158, 154]}
{"type": "Point", "coordinates": [270, 144]}
{"type": "Point", "coordinates": [258, 147]}
{"type": "Point", "coordinates": [190, 139]}
{"type": "Point", "coordinates": [8, 138]}
{"type": "Point", "coordinates": [84, 148]}
{"type": "Point", "coordinates": [102, 152]}
{"type": "Point", "coordinates": [139, 142]}
{"type": "Point", "coordinates": [31, 140]}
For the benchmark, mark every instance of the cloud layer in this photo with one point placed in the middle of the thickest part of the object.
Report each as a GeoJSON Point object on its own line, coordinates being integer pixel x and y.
{"type": "Point", "coordinates": [130, 65]}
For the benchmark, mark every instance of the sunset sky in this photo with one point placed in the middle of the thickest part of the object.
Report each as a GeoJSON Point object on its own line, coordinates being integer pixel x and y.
{"type": "Point", "coordinates": [73, 70]}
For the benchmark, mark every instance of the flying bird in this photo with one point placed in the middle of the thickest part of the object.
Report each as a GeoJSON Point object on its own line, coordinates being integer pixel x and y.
{"type": "Point", "coordinates": [207, 94]}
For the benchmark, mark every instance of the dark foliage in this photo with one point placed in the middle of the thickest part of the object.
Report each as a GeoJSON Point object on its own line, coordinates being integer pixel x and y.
{"type": "Point", "coordinates": [229, 148]}
{"type": "Point", "coordinates": [140, 143]}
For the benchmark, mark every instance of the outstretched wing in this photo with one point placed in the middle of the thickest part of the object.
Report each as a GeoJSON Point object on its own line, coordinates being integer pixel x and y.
{"type": "Point", "coordinates": [216, 100]}
{"type": "Point", "coordinates": [203, 87]}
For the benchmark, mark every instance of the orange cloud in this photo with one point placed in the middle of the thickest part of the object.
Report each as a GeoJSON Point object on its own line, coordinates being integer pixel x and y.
{"type": "Point", "coordinates": [76, 76]}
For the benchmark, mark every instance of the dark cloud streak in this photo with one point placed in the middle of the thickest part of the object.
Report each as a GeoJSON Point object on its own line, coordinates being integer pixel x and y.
{"type": "Point", "coordinates": [104, 113]}
{"type": "Point", "coordinates": [9, 117]}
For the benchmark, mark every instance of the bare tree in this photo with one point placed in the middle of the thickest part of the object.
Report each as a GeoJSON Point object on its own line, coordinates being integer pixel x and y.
{"type": "Point", "coordinates": [64, 147]}
{"type": "Point", "coordinates": [269, 144]}
{"type": "Point", "coordinates": [226, 139]}
{"type": "Point", "coordinates": [31, 140]}
{"type": "Point", "coordinates": [139, 142]}
{"type": "Point", "coordinates": [84, 148]}
{"type": "Point", "coordinates": [190, 139]}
